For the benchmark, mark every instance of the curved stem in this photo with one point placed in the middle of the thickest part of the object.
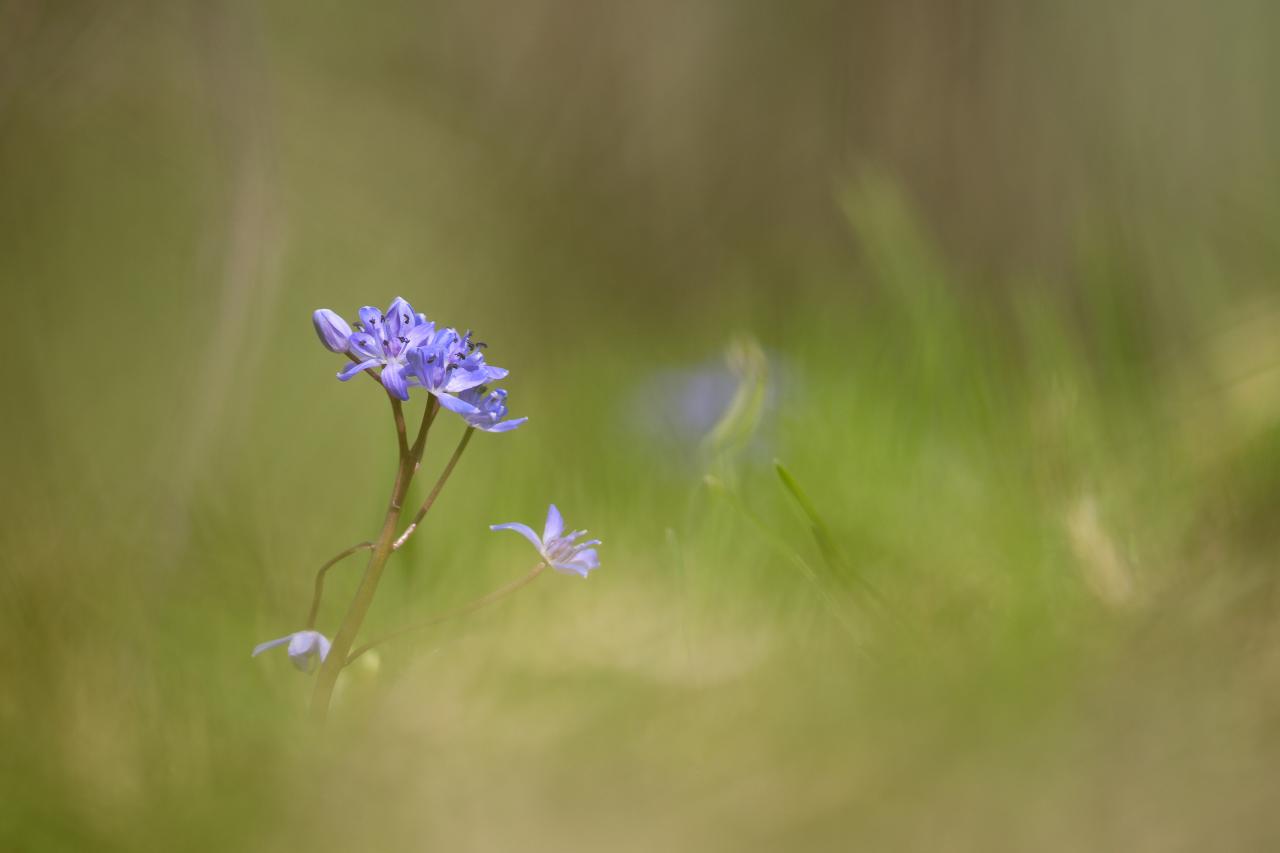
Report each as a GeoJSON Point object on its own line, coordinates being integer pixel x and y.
{"type": "Point", "coordinates": [500, 592]}
{"type": "Point", "coordinates": [319, 592]}
{"type": "Point", "coordinates": [402, 437]}
{"type": "Point", "coordinates": [350, 628]}
{"type": "Point", "coordinates": [428, 418]}
{"type": "Point", "coordinates": [419, 443]}
{"type": "Point", "coordinates": [435, 490]}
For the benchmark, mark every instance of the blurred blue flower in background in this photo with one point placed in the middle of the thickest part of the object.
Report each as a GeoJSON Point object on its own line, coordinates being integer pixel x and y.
{"type": "Point", "coordinates": [305, 647]}
{"type": "Point", "coordinates": [715, 409]}
{"type": "Point", "coordinates": [556, 547]}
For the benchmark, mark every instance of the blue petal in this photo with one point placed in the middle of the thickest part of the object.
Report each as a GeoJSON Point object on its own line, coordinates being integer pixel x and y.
{"type": "Point", "coordinates": [505, 426]}
{"type": "Point", "coordinates": [554, 526]}
{"type": "Point", "coordinates": [393, 380]}
{"type": "Point", "coordinates": [523, 529]}
{"type": "Point", "coordinates": [453, 404]}
{"type": "Point", "coordinates": [374, 324]}
{"type": "Point", "coordinates": [419, 334]}
{"type": "Point", "coordinates": [399, 318]}
{"type": "Point", "coordinates": [354, 369]}
{"type": "Point", "coordinates": [270, 644]}
{"type": "Point", "coordinates": [581, 564]}
{"type": "Point", "coordinates": [570, 569]}
{"type": "Point", "coordinates": [365, 345]}
{"type": "Point", "coordinates": [462, 379]}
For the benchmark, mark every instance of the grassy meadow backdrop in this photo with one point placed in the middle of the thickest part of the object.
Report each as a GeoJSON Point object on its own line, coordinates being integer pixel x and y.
{"type": "Point", "coordinates": [917, 362]}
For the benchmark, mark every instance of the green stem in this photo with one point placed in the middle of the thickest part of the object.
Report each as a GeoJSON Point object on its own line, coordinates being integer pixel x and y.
{"type": "Point", "coordinates": [435, 490]}
{"type": "Point", "coordinates": [428, 418]}
{"type": "Point", "coordinates": [500, 592]}
{"type": "Point", "coordinates": [319, 592]}
{"type": "Point", "coordinates": [350, 628]}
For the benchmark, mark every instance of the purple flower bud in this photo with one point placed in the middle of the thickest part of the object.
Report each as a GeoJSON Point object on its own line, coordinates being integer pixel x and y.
{"type": "Point", "coordinates": [332, 329]}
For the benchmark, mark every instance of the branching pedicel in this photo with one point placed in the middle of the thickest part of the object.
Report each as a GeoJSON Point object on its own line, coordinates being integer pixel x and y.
{"type": "Point", "coordinates": [402, 350]}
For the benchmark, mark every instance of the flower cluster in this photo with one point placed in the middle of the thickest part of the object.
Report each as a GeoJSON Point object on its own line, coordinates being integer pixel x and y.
{"type": "Point", "coordinates": [407, 350]}
{"type": "Point", "coordinates": [404, 350]}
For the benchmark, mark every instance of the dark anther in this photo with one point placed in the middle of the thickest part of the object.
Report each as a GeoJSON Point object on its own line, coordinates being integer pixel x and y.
{"type": "Point", "coordinates": [404, 318]}
{"type": "Point", "coordinates": [402, 339]}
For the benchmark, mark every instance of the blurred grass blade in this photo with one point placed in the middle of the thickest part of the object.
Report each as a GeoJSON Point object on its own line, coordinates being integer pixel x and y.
{"type": "Point", "coordinates": [737, 426]}
{"type": "Point", "coordinates": [718, 488]}
{"type": "Point", "coordinates": [840, 567]}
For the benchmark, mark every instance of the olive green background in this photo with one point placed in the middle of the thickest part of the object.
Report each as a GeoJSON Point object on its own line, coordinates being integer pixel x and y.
{"type": "Point", "coordinates": [996, 283]}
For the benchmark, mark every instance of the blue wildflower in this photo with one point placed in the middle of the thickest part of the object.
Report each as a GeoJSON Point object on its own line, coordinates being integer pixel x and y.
{"type": "Point", "coordinates": [558, 548]}
{"type": "Point", "coordinates": [490, 409]}
{"type": "Point", "coordinates": [448, 363]}
{"type": "Point", "coordinates": [304, 648]}
{"type": "Point", "coordinates": [384, 341]}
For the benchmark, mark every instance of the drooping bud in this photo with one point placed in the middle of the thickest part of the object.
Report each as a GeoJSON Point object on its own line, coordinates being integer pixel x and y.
{"type": "Point", "coordinates": [305, 647]}
{"type": "Point", "coordinates": [332, 330]}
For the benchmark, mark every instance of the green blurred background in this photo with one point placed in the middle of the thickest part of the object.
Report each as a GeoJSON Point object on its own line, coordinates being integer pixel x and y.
{"type": "Point", "coordinates": [995, 281]}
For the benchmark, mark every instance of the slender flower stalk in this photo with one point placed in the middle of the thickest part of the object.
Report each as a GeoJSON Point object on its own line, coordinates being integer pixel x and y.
{"type": "Point", "coordinates": [345, 638]}
{"type": "Point", "coordinates": [435, 491]}
{"type": "Point", "coordinates": [428, 418]}
{"type": "Point", "coordinates": [499, 593]}
{"type": "Point", "coordinates": [319, 590]}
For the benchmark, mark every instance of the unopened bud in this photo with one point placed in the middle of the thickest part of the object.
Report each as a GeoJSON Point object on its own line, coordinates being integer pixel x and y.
{"type": "Point", "coordinates": [332, 329]}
